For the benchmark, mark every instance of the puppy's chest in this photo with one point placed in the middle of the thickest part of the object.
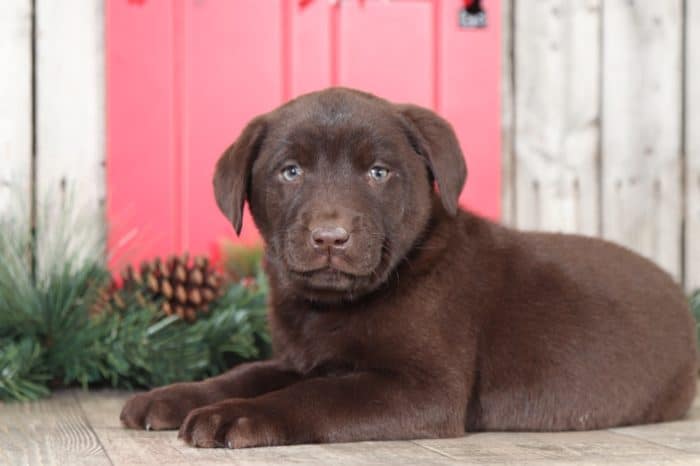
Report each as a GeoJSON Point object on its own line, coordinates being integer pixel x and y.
{"type": "Point", "coordinates": [328, 342]}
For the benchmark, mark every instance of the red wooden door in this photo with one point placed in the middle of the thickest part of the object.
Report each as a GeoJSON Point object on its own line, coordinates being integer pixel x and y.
{"type": "Point", "coordinates": [184, 77]}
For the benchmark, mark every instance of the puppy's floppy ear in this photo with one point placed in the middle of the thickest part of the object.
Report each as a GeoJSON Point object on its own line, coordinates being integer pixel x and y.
{"type": "Point", "coordinates": [433, 138]}
{"type": "Point", "coordinates": [232, 175]}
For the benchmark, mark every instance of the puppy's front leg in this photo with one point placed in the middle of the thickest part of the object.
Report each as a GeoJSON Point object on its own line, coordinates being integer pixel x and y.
{"type": "Point", "coordinates": [166, 407]}
{"type": "Point", "coordinates": [353, 407]}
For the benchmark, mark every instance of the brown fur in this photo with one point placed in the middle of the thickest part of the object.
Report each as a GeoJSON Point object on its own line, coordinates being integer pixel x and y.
{"type": "Point", "coordinates": [430, 321]}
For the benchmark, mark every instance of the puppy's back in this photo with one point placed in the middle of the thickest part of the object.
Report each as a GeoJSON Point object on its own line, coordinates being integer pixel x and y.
{"type": "Point", "coordinates": [586, 334]}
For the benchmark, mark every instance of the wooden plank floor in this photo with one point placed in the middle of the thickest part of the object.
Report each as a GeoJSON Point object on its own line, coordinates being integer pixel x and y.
{"type": "Point", "coordinates": [75, 427]}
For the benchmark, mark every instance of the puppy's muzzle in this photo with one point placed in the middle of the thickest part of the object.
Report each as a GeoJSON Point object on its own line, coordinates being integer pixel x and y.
{"type": "Point", "coordinates": [329, 239]}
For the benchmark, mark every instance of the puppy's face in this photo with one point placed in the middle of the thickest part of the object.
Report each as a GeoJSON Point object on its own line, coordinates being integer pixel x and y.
{"type": "Point", "coordinates": [340, 185]}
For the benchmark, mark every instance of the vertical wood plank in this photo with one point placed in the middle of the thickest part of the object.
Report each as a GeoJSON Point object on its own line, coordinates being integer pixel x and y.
{"type": "Point", "coordinates": [642, 128]}
{"type": "Point", "coordinates": [70, 110]}
{"type": "Point", "coordinates": [16, 107]}
{"type": "Point", "coordinates": [692, 146]}
{"type": "Point", "coordinates": [467, 84]}
{"type": "Point", "coordinates": [386, 48]}
{"type": "Point", "coordinates": [310, 59]}
{"type": "Point", "coordinates": [227, 83]}
{"type": "Point", "coordinates": [508, 191]}
{"type": "Point", "coordinates": [557, 115]}
{"type": "Point", "coordinates": [140, 132]}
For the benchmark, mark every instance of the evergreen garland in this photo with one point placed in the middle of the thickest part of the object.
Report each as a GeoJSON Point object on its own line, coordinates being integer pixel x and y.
{"type": "Point", "coordinates": [50, 335]}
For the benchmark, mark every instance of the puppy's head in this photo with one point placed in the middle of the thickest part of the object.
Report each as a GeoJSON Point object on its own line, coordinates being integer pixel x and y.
{"type": "Point", "coordinates": [340, 184]}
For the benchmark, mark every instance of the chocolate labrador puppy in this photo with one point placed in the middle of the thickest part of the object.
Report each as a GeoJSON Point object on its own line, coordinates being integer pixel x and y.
{"type": "Point", "coordinates": [396, 315]}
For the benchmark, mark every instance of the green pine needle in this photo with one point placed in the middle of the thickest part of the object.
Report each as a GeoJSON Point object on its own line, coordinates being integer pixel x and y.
{"type": "Point", "coordinates": [23, 375]}
{"type": "Point", "coordinates": [695, 309]}
{"type": "Point", "coordinates": [49, 337]}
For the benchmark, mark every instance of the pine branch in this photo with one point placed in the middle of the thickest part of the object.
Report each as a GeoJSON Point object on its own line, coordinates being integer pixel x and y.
{"type": "Point", "coordinates": [23, 374]}
{"type": "Point", "coordinates": [51, 335]}
{"type": "Point", "coordinates": [695, 310]}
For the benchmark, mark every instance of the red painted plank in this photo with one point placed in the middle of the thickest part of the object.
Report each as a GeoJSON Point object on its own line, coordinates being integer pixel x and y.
{"type": "Point", "coordinates": [233, 72]}
{"type": "Point", "coordinates": [469, 97]}
{"type": "Point", "coordinates": [184, 77]}
{"type": "Point", "coordinates": [386, 48]}
{"type": "Point", "coordinates": [140, 167]}
{"type": "Point", "coordinates": [310, 38]}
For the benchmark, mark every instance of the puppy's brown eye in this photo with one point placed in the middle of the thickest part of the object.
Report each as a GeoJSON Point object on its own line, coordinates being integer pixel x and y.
{"type": "Point", "coordinates": [291, 172]}
{"type": "Point", "coordinates": [379, 173]}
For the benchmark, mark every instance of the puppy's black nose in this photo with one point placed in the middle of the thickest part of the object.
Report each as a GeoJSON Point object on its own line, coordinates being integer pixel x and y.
{"type": "Point", "coordinates": [329, 237]}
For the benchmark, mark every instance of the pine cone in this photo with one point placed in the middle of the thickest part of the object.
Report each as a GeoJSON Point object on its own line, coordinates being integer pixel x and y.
{"type": "Point", "coordinates": [112, 297]}
{"type": "Point", "coordinates": [108, 298]}
{"type": "Point", "coordinates": [185, 288]}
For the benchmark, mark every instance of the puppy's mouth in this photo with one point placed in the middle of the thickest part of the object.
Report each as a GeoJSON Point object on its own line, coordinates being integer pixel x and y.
{"type": "Point", "coordinates": [335, 273]}
{"type": "Point", "coordinates": [329, 272]}
{"type": "Point", "coordinates": [328, 279]}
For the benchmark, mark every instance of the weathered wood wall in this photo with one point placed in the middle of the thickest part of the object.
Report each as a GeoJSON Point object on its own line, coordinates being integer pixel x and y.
{"type": "Point", "coordinates": [601, 117]}
{"type": "Point", "coordinates": [691, 234]}
{"type": "Point", "coordinates": [52, 112]}
{"type": "Point", "coordinates": [601, 111]}
{"type": "Point", "coordinates": [15, 104]}
{"type": "Point", "coordinates": [69, 113]}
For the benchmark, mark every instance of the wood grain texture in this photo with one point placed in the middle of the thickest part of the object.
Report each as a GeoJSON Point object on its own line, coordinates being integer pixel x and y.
{"type": "Point", "coordinates": [508, 191]}
{"type": "Point", "coordinates": [132, 446]}
{"type": "Point", "coordinates": [641, 143]}
{"type": "Point", "coordinates": [593, 447]}
{"type": "Point", "coordinates": [16, 105]}
{"type": "Point", "coordinates": [83, 428]}
{"type": "Point", "coordinates": [139, 447]}
{"type": "Point", "coordinates": [70, 110]}
{"type": "Point", "coordinates": [692, 146]}
{"type": "Point", "coordinates": [682, 435]}
{"type": "Point", "coordinates": [557, 115]}
{"type": "Point", "coordinates": [48, 432]}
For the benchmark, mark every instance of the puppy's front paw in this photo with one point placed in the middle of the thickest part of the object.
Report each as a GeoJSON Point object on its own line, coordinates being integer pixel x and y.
{"type": "Point", "coordinates": [231, 424]}
{"type": "Point", "coordinates": [160, 409]}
